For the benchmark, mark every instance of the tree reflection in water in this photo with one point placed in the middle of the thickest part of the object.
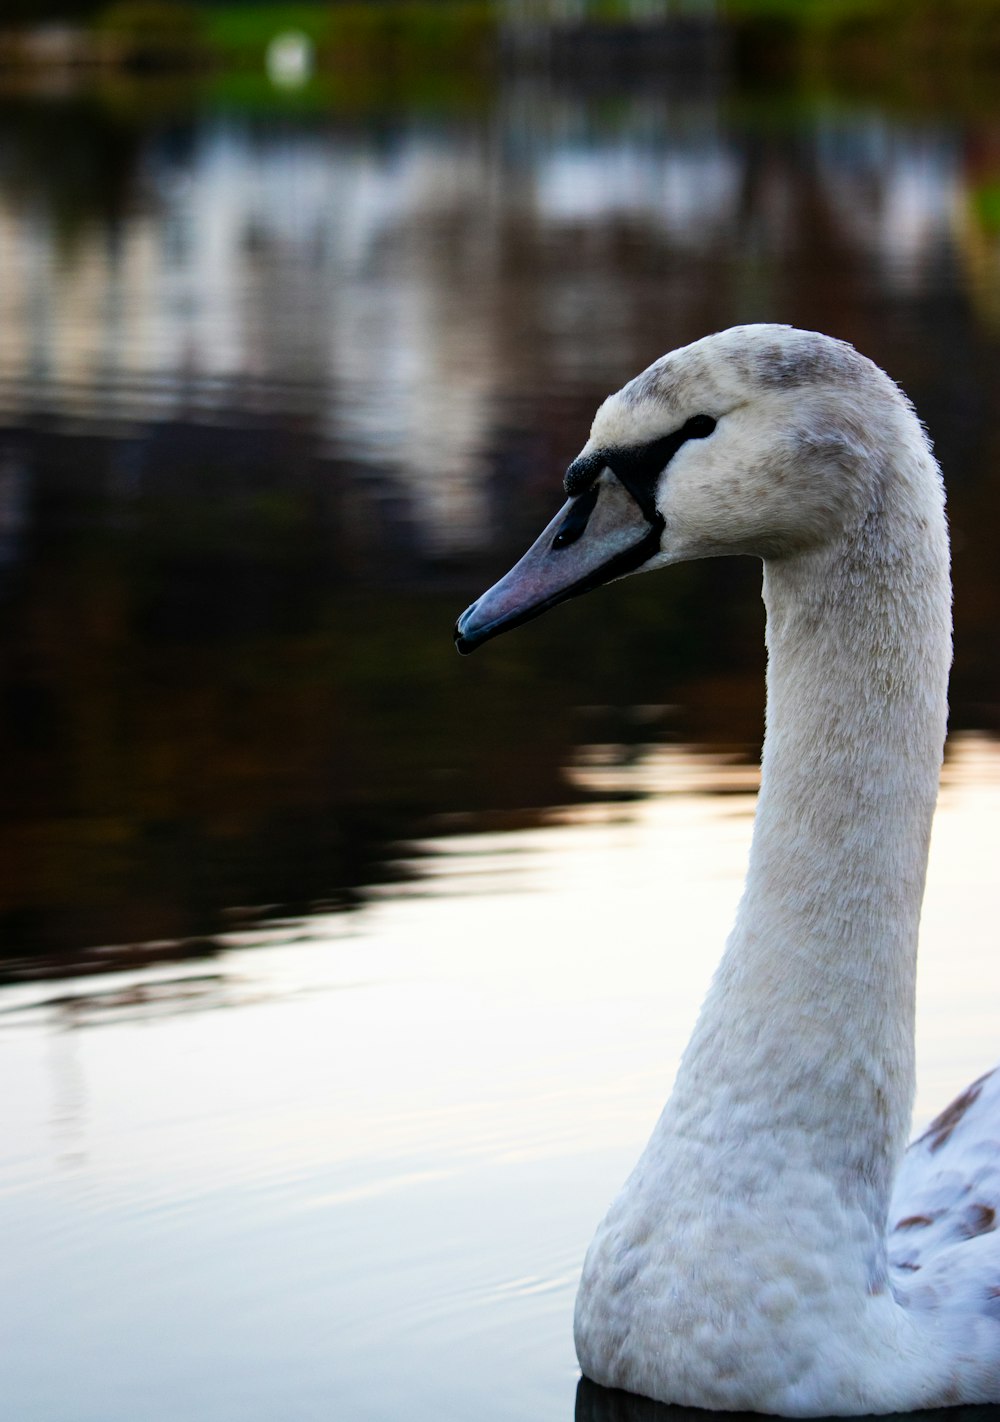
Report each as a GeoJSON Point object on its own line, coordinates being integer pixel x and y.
{"type": "Point", "coordinates": [276, 398]}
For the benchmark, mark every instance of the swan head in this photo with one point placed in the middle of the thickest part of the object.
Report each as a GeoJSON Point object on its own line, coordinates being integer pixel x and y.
{"type": "Point", "coordinates": [761, 440]}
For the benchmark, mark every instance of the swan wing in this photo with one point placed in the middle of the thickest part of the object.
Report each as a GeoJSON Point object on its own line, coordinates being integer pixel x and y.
{"type": "Point", "coordinates": [945, 1207]}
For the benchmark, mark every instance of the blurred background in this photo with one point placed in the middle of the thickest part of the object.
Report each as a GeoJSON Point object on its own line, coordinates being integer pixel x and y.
{"type": "Point", "coordinates": [303, 312]}
{"type": "Point", "coordinates": [304, 309]}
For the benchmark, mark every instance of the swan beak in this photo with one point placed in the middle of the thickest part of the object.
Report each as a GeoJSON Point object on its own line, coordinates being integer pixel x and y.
{"type": "Point", "coordinates": [598, 536]}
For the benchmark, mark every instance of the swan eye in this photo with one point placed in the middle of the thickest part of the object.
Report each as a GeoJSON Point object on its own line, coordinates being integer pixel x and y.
{"type": "Point", "coordinates": [639, 468]}
{"type": "Point", "coordinates": [648, 461]}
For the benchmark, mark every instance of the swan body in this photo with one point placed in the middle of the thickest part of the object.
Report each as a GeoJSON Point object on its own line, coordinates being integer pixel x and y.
{"type": "Point", "coordinates": [776, 1248]}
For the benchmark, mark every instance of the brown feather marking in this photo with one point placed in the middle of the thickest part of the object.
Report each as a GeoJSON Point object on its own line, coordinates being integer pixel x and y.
{"type": "Point", "coordinates": [942, 1126]}
{"type": "Point", "coordinates": [914, 1222]}
{"type": "Point", "coordinates": [978, 1219]}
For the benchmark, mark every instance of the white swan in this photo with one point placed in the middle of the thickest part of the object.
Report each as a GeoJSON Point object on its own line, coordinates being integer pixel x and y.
{"type": "Point", "coordinates": [759, 1257]}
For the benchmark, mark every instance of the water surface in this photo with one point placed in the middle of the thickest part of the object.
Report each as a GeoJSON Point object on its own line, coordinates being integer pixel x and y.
{"type": "Point", "coordinates": [345, 980]}
{"type": "Point", "coordinates": [354, 1166]}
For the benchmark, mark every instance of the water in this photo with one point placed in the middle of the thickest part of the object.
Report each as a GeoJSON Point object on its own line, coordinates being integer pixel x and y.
{"type": "Point", "coordinates": [353, 1168]}
{"type": "Point", "coordinates": [345, 980]}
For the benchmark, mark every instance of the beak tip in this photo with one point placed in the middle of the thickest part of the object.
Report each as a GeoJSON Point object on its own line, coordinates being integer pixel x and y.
{"type": "Point", "coordinates": [464, 645]}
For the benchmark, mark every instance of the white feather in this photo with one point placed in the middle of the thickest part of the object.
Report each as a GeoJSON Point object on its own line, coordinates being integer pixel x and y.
{"type": "Point", "coordinates": [759, 1256]}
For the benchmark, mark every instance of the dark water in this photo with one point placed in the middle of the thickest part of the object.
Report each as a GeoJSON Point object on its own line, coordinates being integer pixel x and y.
{"type": "Point", "coordinates": [282, 387]}
{"type": "Point", "coordinates": [278, 396]}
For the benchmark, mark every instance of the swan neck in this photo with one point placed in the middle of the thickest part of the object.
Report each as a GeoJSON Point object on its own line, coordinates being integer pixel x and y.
{"type": "Point", "coordinates": [806, 1037]}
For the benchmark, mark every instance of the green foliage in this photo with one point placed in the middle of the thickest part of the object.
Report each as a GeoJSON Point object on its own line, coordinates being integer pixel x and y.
{"type": "Point", "coordinates": [240, 30]}
{"type": "Point", "coordinates": [356, 33]}
{"type": "Point", "coordinates": [159, 20]}
{"type": "Point", "coordinates": [986, 204]}
{"type": "Point", "coordinates": [806, 14]}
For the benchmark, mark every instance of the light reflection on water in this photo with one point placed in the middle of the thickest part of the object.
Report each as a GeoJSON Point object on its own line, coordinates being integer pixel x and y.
{"type": "Point", "coordinates": [352, 1170]}
{"type": "Point", "coordinates": [394, 294]}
